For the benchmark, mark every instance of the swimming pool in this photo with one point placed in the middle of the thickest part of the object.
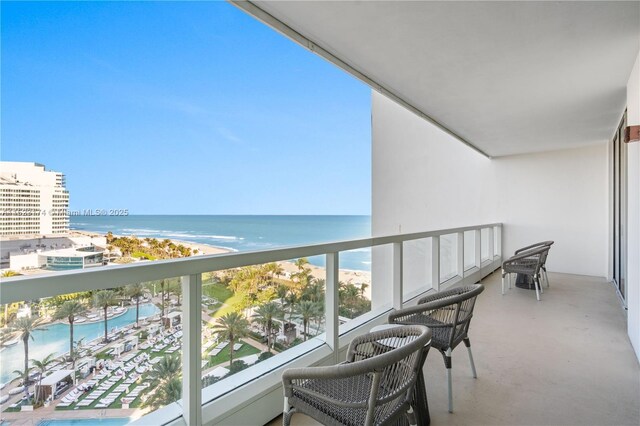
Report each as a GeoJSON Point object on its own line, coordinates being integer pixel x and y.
{"type": "Point", "coordinates": [54, 338]}
{"type": "Point", "coordinates": [115, 421]}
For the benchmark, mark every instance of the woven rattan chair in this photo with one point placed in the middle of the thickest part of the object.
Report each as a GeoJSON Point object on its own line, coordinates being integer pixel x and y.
{"type": "Point", "coordinates": [374, 386]}
{"type": "Point", "coordinates": [527, 263]}
{"type": "Point", "coordinates": [448, 314]}
{"type": "Point", "coordinates": [543, 266]}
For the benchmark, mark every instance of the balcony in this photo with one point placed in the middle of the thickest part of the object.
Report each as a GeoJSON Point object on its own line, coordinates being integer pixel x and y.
{"type": "Point", "coordinates": [535, 359]}
{"type": "Point", "coordinates": [516, 126]}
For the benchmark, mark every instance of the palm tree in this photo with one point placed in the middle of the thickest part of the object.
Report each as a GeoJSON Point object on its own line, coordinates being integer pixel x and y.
{"type": "Point", "coordinates": [314, 290]}
{"type": "Point", "coordinates": [307, 311]}
{"type": "Point", "coordinates": [231, 327]}
{"type": "Point", "coordinates": [291, 300]}
{"type": "Point", "coordinates": [74, 357]}
{"type": "Point", "coordinates": [70, 310]}
{"type": "Point", "coordinates": [265, 314]}
{"type": "Point", "coordinates": [166, 393]}
{"type": "Point", "coordinates": [169, 367]}
{"type": "Point", "coordinates": [136, 290]}
{"type": "Point", "coordinates": [25, 327]}
{"type": "Point", "coordinates": [162, 299]}
{"type": "Point", "coordinates": [42, 366]}
{"type": "Point", "coordinates": [103, 299]}
{"type": "Point", "coordinates": [165, 377]}
{"type": "Point", "coordinates": [24, 376]}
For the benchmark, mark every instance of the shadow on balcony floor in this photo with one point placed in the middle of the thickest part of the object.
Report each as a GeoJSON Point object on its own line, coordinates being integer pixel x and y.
{"type": "Point", "coordinates": [565, 360]}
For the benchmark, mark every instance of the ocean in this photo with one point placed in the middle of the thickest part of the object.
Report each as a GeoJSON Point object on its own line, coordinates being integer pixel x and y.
{"type": "Point", "coordinates": [242, 232]}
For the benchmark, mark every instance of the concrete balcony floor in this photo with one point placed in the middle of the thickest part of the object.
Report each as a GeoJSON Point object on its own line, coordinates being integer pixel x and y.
{"type": "Point", "coordinates": [565, 360]}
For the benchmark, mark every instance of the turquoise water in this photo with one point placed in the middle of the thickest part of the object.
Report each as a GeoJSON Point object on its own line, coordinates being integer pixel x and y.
{"type": "Point", "coordinates": [117, 421]}
{"type": "Point", "coordinates": [242, 233]}
{"type": "Point", "coordinates": [54, 338]}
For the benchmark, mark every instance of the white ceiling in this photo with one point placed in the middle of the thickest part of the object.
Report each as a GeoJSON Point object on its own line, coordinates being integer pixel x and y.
{"type": "Point", "coordinates": [509, 77]}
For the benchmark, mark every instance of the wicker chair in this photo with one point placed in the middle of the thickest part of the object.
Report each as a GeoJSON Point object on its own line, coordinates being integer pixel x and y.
{"type": "Point", "coordinates": [374, 386]}
{"type": "Point", "coordinates": [527, 263]}
{"type": "Point", "coordinates": [543, 266]}
{"type": "Point", "coordinates": [448, 314]}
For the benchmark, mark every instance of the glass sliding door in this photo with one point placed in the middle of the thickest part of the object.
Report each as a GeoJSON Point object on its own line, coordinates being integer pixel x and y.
{"type": "Point", "coordinates": [619, 231]}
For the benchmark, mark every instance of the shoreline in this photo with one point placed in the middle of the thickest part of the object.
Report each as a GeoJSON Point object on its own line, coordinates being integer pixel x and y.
{"type": "Point", "coordinates": [352, 276]}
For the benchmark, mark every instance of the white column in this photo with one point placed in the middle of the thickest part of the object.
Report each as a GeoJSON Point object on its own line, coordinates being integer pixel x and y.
{"type": "Point", "coordinates": [478, 249]}
{"type": "Point", "coordinates": [192, 349]}
{"type": "Point", "coordinates": [397, 276]}
{"type": "Point", "coordinates": [435, 263]}
{"type": "Point", "coordinates": [491, 240]}
{"type": "Point", "coordinates": [460, 259]}
{"type": "Point", "coordinates": [331, 304]}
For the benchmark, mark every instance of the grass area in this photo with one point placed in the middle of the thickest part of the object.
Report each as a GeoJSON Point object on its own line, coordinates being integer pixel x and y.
{"type": "Point", "coordinates": [143, 255]}
{"type": "Point", "coordinates": [223, 356]}
{"type": "Point", "coordinates": [118, 403]}
{"type": "Point", "coordinates": [224, 295]}
{"type": "Point", "coordinates": [217, 290]}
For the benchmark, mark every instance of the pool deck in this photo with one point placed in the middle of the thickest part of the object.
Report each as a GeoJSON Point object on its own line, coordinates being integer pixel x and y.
{"type": "Point", "coordinates": [49, 413]}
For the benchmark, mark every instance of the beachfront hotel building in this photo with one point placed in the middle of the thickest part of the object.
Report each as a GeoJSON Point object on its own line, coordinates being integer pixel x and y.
{"type": "Point", "coordinates": [494, 125]}
{"type": "Point", "coordinates": [33, 200]}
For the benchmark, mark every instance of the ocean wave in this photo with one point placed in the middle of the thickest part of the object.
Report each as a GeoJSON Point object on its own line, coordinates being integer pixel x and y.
{"type": "Point", "coordinates": [142, 231]}
{"type": "Point", "coordinates": [366, 263]}
{"type": "Point", "coordinates": [213, 237]}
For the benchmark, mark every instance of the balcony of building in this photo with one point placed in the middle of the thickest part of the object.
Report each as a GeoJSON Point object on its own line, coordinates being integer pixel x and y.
{"type": "Point", "coordinates": [494, 125]}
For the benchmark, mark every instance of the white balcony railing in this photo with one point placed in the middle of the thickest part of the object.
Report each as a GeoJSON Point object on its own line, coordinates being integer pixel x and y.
{"type": "Point", "coordinates": [225, 398]}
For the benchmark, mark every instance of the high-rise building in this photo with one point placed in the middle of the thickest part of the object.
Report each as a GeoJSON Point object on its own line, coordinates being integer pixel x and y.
{"type": "Point", "coordinates": [32, 200]}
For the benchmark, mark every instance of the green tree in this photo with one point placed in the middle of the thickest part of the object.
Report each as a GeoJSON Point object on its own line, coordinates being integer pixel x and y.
{"type": "Point", "coordinates": [236, 366]}
{"type": "Point", "coordinates": [265, 315]}
{"type": "Point", "coordinates": [103, 299]}
{"type": "Point", "coordinates": [301, 277]}
{"type": "Point", "coordinates": [168, 367]}
{"type": "Point", "coordinates": [232, 327]}
{"type": "Point", "coordinates": [42, 366]}
{"type": "Point", "coordinates": [25, 327]}
{"type": "Point", "coordinates": [307, 311]}
{"type": "Point", "coordinates": [165, 379]}
{"type": "Point", "coordinates": [23, 375]}
{"type": "Point", "coordinates": [162, 288]}
{"type": "Point", "coordinates": [167, 392]}
{"type": "Point", "coordinates": [136, 291]}
{"type": "Point", "coordinates": [314, 290]}
{"type": "Point", "coordinates": [70, 310]}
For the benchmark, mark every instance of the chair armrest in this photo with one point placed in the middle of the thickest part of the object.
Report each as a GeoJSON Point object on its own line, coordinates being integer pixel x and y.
{"type": "Point", "coordinates": [526, 254]}
{"type": "Point", "coordinates": [395, 317]}
{"type": "Point", "coordinates": [540, 244]}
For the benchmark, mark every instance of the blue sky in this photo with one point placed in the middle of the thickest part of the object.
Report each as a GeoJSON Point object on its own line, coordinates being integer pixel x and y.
{"type": "Point", "coordinates": [192, 108]}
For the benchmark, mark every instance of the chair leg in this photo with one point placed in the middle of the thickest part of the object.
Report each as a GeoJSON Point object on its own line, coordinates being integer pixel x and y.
{"type": "Point", "coordinates": [447, 360]}
{"type": "Point", "coordinates": [536, 284]}
{"type": "Point", "coordinates": [503, 281]}
{"type": "Point", "coordinates": [467, 343]}
{"type": "Point", "coordinates": [287, 413]}
{"type": "Point", "coordinates": [546, 276]}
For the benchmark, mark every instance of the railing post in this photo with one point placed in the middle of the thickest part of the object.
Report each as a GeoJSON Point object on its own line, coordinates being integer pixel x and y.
{"type": "Point", "coordinates": [435, 263]}
{"type": "Point", "coordinates": [397, 276]}
{"type": "Point", "coordinates": [478, 249]}
{"type": "Point", "coordinates": [331, 304]}
{"type": "Point", "coordinates": [491, 240]}
{"type": "Point", "coordinates": [460, 259]}
{"type": "Point", "coordinates": [191, 349]}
